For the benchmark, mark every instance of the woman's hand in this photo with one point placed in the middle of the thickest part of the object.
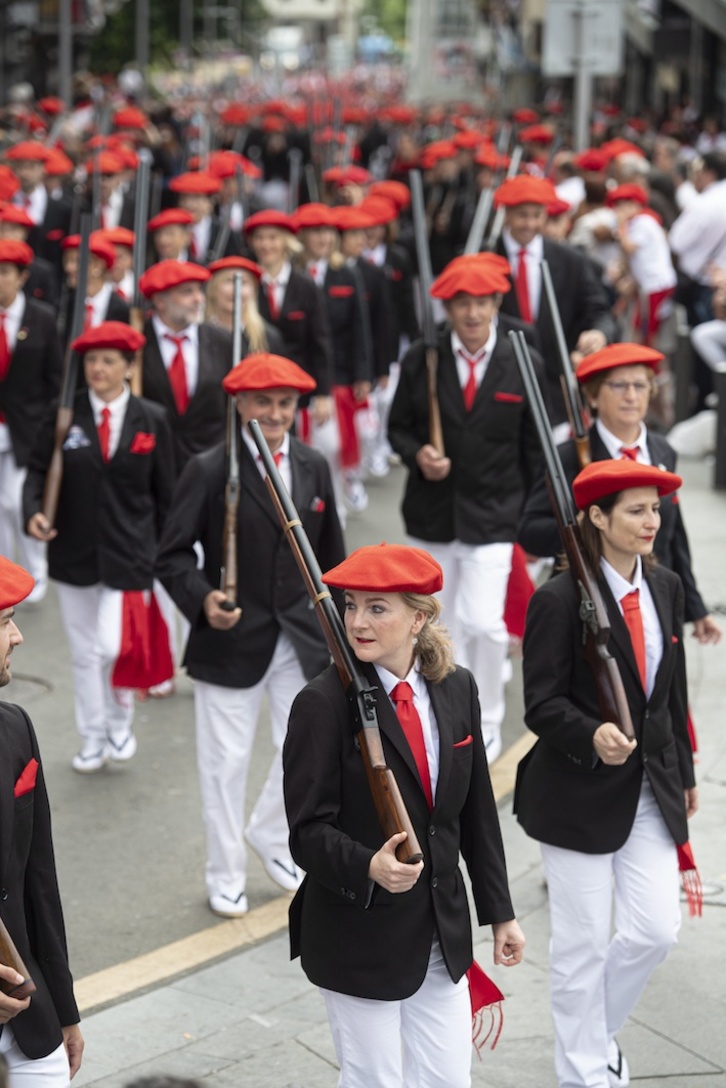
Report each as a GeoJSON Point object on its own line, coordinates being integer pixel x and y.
{"type": "Point", "coordinates": [691, 802]}
{"type": "Point", "coordinates": [10, 1006]}
{"type": "Point", "coordinates": [73, 1042]}
{"type": "Point", "coordinates": [707, 630]}
{"type": "Point", "coordinates": [509, 942]}
{"type": "Point", "coordinates": [393, 875]}
{"type": "Point", "coordinates": [611, 744]}
{"type": "Point", "coordinates": [39, 527]}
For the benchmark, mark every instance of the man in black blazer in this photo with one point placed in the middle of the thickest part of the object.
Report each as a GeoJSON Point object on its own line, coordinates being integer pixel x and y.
{"type": "Point", "coordinates": [102, 302]}
{"type": "Point", "coordinates": [464, 506]}
{"type": "Point", "coordinates": [43, 1028]}
{"type": "Point", "coordinates": [271, 643]}
{"type": "Point", "coordinates": [51, 218]}
{"type": "Point", "coordinates": [584, 309]}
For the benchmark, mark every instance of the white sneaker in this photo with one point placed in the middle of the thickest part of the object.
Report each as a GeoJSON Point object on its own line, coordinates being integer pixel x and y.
{"type": "Point", "coordinates": [355, 495]}
{"type": "Point", "coordinates": [618, 1071]}
{"type": "Point", "coordinates": [38, 592]}
{"type": "Point", "coordinates": [123, 750]}
{"type": "Point", "coordinates": [92, 757]}
{"type": "Point", "coordinates": [226, 907]}
{"type": "Point", "coordinates": [493, 745]}
{"type": "Point", "coordinates": [279, 866]}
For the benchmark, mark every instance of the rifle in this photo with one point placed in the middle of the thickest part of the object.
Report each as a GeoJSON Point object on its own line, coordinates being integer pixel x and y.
{"type": "Point", "coordinates": [64, 414]}
{"type": "Point", "coordinates": [425, 279]}
{"type": "Point", "coordinates": [479, 222]}
{"type": "Point", "coordinates": [387, 799]}
{"type": "Point", "coordinates": [593, 613]}
{"type": "Point", "coordinates": [228, 572]}
{"type": "Point", "coordinates": [143, 178]}
{"type": "Point", "coordinates": [311, 181]}
{"type": "Point", "coordinates": [570, 389]}
{"type": "Point", "coordinates": [295, 157]}
{"type": "Point", "coordinates": [10, 957]}
{"type": "Point", "coordinates": [499, 217]}
{"type": "Point", "coordinates": [96, 189]}
{"type": "Point", "coordinates": [220, 243]}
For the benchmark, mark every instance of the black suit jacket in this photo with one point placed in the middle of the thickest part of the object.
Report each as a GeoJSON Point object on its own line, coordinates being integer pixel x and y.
{"type": "Point", "coordinates": [564, 795]}
{"type": "Point", "coordinates": [305, 329]}
{"type": "Point", "coordinates": [582, 302]}
{"type": "Point", "coordinates": [33, 379]}
{"type": "Point", "coordinates": [42, 283]}
{"type": "Point", "coordinates": [539, 535]}
{"type": "Point", "coordinates": [45, 239]}
{"type": "Point", "coordinates": [110, 516]}
{"type": "Point", "coordinates": [117, 309]}
{"type": "Point", "coordinates": [398, 269]}
{"type": "Point", "coordinates": [352, 360]}
{"type": "Point", "coordinates": [30, 902]}
{"type": "Point", "coordinates": [271, 592]}
{"type": "Point", "coordinates": [378, 947]}
{"type": "Point", "coordinates": [494, 449]}
{"type": "Point", "coordinates": [202, 425]}
{"type": "Point", "coordinates": [384, 334]}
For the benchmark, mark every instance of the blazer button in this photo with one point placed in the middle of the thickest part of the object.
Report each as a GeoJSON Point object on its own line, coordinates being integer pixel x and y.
{"type": "Point", "coordinates": [435, 882]}
{"type": "Point", "coordinates": [351, 895]}
{"type": "Point", "coordinates": [432, 830]}
{"type": "Point", "coordinates": [645, 757]}
{"type": "Point", "coordinates": [4, 894]}
{"type": "Point", "coordinates": [647, 714]}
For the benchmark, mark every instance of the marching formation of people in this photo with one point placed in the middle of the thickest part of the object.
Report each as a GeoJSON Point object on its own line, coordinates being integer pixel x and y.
{"type": "Point", "coordinates": [163, 284]}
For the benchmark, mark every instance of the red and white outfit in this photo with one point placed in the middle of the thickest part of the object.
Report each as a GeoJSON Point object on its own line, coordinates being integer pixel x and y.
{"type": "Point", "coordinates": [652, 269]}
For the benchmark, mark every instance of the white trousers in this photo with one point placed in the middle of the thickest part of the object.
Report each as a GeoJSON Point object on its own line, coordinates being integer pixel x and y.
{"type": "Point", "coordinates": [421, 1042]}
{"type": "Point", "coordinates": [596, 979]}
{"type": "Point", "coordinates": [709, 340]}
{"type": "Point", "coordinates": [473, 599]}
{"type": "Point", "coordinates": [226, 724]}
{"type": "Point", "coordinates": [49, 1072]}
{"type": "Point", "coordinates": [91, 617]}
{"type": "Point", "coordinates": [14, 544]}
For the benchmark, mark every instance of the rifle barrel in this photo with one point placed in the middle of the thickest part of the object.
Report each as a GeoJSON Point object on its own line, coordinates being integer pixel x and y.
{"type": "Point", "coordinates": [571, 389]}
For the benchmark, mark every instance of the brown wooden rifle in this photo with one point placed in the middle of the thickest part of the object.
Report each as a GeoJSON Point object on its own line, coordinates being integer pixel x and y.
{"type": "Point", "coordinates": [428, 325]}
{"type": "Point", "coordinates": [10, 957]}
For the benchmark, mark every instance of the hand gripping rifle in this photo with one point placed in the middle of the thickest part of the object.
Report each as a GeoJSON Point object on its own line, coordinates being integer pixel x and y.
{"type": "Point", "coordinates": [228, 573]}
{"type": "Point", "coordinates": [593, 613]}
{"type": "Point", "coordinates": [141, 209]}
{"type": "Point", "coordinates": [390, 808]}
{"type": "Point", "coordinates": [10, 957]}
{"type": "Point", "coordinates": [69, 380]}
{"type": "Point", "coordinates": [570, 389]}
{"type": "Point", "coordinates": [425, 279]}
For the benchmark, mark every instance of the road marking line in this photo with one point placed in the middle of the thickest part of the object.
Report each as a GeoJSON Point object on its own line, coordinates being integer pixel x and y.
{"type": "Point", "coordinates": [171, 960]}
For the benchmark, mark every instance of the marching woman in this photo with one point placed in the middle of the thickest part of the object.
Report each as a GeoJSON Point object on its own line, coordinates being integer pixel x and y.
{"type": "Point", "coordinates": [257, 334]}
{"type": "Point", "coordinates": [389, 943]}
{"type": "Point", "coordinates": [609, 811]}
{"type": "Point", "coordinates": [118, 477]}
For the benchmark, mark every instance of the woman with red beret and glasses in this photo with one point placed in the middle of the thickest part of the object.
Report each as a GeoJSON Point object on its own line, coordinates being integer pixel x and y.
{"type": "Point", "coordinates": [609, 812]}
{"type": "Point", "coordinates": [390, 944]}
{"type": "Point", "coordinates": [118, 477]}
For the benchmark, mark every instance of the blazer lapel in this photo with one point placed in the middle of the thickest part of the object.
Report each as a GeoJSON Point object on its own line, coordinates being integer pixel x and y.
{"type": "Point", "coordinates": [443, 711]}
{"type": "Point", "coordinates": [661, 600]}
{"type": "Point", "coordinates": [7, 797]}
{"type": "Point", "coordinates": [133, 419]}
{"type": "Point", "coordinates": [451, 394]}
{"type": "Point", "coordinates": [155, 369]}
{"type": "Point", "coordinates": [254, 484]}
{"type": "Point", "coordinates": [83, 417]}
{"type": "Point", "coordinates": [390, 726]}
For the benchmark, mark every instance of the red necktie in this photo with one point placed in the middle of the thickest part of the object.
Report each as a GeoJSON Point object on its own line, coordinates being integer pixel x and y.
{"type": "Point", "coordinates": [471, 384]}
{"type": "Point", "coordinates": [313, 270]}
{"type": "Point", "coordinates": [634, 622]}
{"type": "Point", "coordinates": [272, 300]}
{"type": "Point", "coordinates": [88, 317]}
{"type": "Point", "coordinates": [193, 247]}
{"type": "Point", "coordinates": [178, 374]}
{"type": "Point", "coordinates": [402, 696]}
{"type": "Point", "coordinates": [276, 457]}
{"type": "Point", "coordinates": [521, 287]}
{"type": "Point", "coordinates": [122, 294]}
{"type": "Point", "coordinates": [629, 453]}
{"type": "Point", "coordinates": [104, 433]}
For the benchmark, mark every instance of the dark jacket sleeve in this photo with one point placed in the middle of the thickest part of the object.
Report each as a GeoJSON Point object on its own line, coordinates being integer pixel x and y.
{"type": "Point", "coordinates": [176, 566]}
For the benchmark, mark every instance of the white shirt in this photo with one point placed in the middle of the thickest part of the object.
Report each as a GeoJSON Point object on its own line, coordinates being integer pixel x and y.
{"type": "Point", "coordinates": [279, 284]}
{"type": "Point", "coordinates": [126, 286]}
{"type": "Point", "coordinates": [190, 350]}
{"type": "Point", "coordinates": [38, 203]}
{"type": "Point", "coordinates": [117, 409]}
{"type": "Point", "coordinates": [615, 447]}
{"type": "Point", "coordinates": [284, 467]}
{"type": "Point", "coordinates": [698, 236]}
{"type": "Point", "coordinates": [482, 356]}
{"type": "Point", "coordinates": [377, 255]}
{"type": "Point", "coordinates": [317, 270]}
{"type": "Point", "coordinates": [651, 264]}
{"type": "Point", "coordinates": [99, 305]}
{"type": "Point", "coordinates": [422, 703]}
{"type": "Point", "coordinates": [111, 211]}
{"type": "Point", "coordinates": [652, 630]}
{"type": "Point", "coordinates": [202, 233]}
{"type": "Point", "coordinates": [13, 321]}
{"type": "Point", "coordinates": [535, 256]}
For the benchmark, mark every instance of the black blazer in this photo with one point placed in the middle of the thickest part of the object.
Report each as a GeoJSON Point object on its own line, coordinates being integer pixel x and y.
{"type": "Point", "coordinates": [398, 270]}
{"type": "Point", "coordinates": [384, 333]}
{"type": "Point", "coordinates": [378, 946]}
{"type": "Point", "coordinates": [271, 592]}
{"type": "Point", "coordinates": [30, 903]}
{"type": "Point", "coordinates": [33, 379]}
{"type": "Point", "coordinates": [109, 515]}
{"type": "Point", "coordinates": [538, 533]}
{"type": "Point", "coordinates": [42, 283]}
{"type": "Point", "coordinates": [564, 795]}
{"type": "Point", "coordinates": [305, 329]}
{"type": "Point", "coordinates": [116, 310]}
{"type": "Point", "coordinates": [45, 239]}
{"type": "Point", "coordinates": [494, 449]}
{"type": "Point", "coordinates": [202, 425]}
{"type": "Point", "coordinates": [353, 363]}
{"type": "Point", "coordinates": [583, 304]}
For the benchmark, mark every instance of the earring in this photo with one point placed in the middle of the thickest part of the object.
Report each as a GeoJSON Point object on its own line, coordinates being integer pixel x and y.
{"type": "Point", "coordinates": [415, 640]}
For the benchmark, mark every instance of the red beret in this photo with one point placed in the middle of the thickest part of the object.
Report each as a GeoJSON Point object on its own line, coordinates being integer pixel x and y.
{"type": "Point", "coordinates": [525, 116]}
{"type": "Point", "coordinates": [27, 151]}
{"type": "Point", "coordinates": [167, 274]}
{"type": "Point", "coordinates": [490, 157]}
{"type": "Point", "coordinates": [328, 135]}
{"type": "Point", "coordinates": [119, 236]}
{"type": "Point", "coordinates": [618, 146]}
{"type": "Point", "coordinates": [10, 213]}
{"type": "Point", "coordinates": [470, 276]}
{"type": "Point", "coordinates": [333, 175]}
{"type": "Point", "coordinates": [556, 208]}
{"type": "Point", "coordinates": [18, 253]}
{"type": "Point", "coordinates": [396, 191]}
{"type": "Point", "coordinates": [197, 181]}
{"type": "Point", "coordinates": [593, 160]}
{"type": "Point", "coordinates": [274, 124]}
{"type": "Point", "coordinates": [352, 218]}
{"type": "Point", "coordinates": [524, 190]}
{"type": "Point", "coordinates": [170, 217]}
{"type": "Point", "coordinates": [235, 114]}
{"type": "Point", "coordinates": [626, 192]}
{"type": "Point", "coordinates": [51, 105]}
{"type": "Point", "coordinates": [310, 216]}
{"type": "Point", "coordinates": [109, 334]}
{"type": "Point", "coordinates": [437, 152]}
{"type": "Point", "coordinates": [269, 218]}
{"type": "Point", "coordinates": [108, 163]}
{"type": "Point", "coordinates": [130, 117]}
{"type": "Point", "coordinates": [601, 478]}
{"type": "Point", "coordinates": [266, 371]}
{"type": "Point", "coordinates": [223, 164]}
{"type": "Point", "coordinates": [58, 164]}
{"type": "Point", "coordinates": [617, 355]}
{"type": "Point", "coordinates": [238, 264]}
{"type": "Point", "coordinates": [379, 210]}
{"type": "Point", "coordinates": [536, 134]}
{"type": "Point", "coordinates": [467, 140]}
{"type": "Point", "coordinates": [354, 175]}
{"type": "Point", "coordinates": [15, 583]}
{"type": "Point", "coordinates": [387, 568]}
{"type": "Point", "coordinates": [97, 245]}
{"type": "Point", "coordinates": [9, 184]}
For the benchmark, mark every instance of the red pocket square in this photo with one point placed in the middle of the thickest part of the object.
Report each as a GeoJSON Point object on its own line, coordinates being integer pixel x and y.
{"type": "Point", "coordinates": [465, 742]}
{"type": "Point", "coordinates": [55, 235]}
{"type": "Point", "coordinates": [317, 505]}
{"type": "Point", "coordinates": [340, 292]}
{"type": "Point", "coordinates": [295, 315]}
{"type": "Point", "coordinates": [142, 443]}
{"type": "Point", "coordinates": [674, 639]}
{"type": "Point", "coordinates": [396, 275]}
{"type": "Point", "coordinates": [509, 398]}
{"type": "Point", "coordinates": [26, 782]}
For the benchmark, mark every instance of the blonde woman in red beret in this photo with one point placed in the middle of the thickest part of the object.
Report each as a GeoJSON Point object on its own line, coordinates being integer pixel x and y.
{"type": "Point", "coordinates": [609, 812]}
{"type": "Point", "coordinates": [390, 944]}
{"type": "Point", "coordinates": [118, 476]}
{"type": "Point", "coordinates": [257, 334]}
{"type": "Point", "coordinates": [618, 383]}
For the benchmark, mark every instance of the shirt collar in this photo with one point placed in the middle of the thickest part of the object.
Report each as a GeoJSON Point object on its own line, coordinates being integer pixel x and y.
{"type": "Point", "coordinates": [282, 276]}
{"type": "Point", "coordinates": [16, 309]}
{"type": "Point", "coordinates": [483, 352]}
{"type": "Point", "coordinates": [613, 444]}
{"type": "Point", "coordinates": [620, 587]}
{"type": "Point", "coordinates": [191, 331]}
{"type": "Point", "coordinates": [284, 449]}
{"type": "Point", "coordinates": [116, 406]}
{"type": "Point", "coordinates": [389, 681]}
{"type": "Point", "coordinates": [535, 249]}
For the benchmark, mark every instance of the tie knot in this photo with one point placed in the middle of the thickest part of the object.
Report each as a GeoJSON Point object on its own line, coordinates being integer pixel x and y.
{"type": "Point", "coordinates": [178, 340]}
{"type": "Point", "coordinates": [105, 413]}
{"type": "Point", "coordinates": [402, 693]}
{"type": "Point", "coordinates": [630, 601]}
{"type": "Point", "coordinates": [522, 253]}
{"type": "Point", "coordinates": [629, 453]}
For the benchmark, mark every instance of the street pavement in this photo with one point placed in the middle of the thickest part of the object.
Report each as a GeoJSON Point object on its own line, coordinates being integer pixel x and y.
{"type": "Point", "coordinates": [167, 987]}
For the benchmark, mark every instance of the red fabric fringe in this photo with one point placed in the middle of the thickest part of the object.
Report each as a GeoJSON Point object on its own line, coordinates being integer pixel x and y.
{"type": "Point", "coordinates": [144, 659]}
{"type": "Point", "coordinates": [519, 592]}
{"type": "Point", "coordinates": [346, 406]}
{"type": "Point", "coordinates": [691, 732]}
{"type": "Point", "coordinates": [690, 880]}
{"type": "Point", "coordinates": [486, 1008]}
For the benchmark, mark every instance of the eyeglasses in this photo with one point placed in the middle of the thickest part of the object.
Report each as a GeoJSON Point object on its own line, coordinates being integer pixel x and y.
{"type": "Point", "coordinates": [622, 387]}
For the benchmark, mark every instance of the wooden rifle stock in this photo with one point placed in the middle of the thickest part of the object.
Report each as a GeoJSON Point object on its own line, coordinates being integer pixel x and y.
{"type": "Point", "coordinates": [593, 613]}
{"type": "Point", "coordinates": [576, 413]}
{"type": "Point", "coordinates": [229, 573]}
{"type": "Point", "coordinates": [387, 799]}
{"type": "Point", "coordinates": [10, 956]}
{"type": "Point", "coordinates": [425, 279]}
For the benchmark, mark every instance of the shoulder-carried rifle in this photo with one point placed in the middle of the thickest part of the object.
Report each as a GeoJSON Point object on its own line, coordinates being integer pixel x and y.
{"type": "Point", "coordinates": [499, 217]}
{"type": "Point", "coordinates": [390, 808]}
{"type": "Point", "coordinates": [69, 381]}
{"type": "Point", "coordinates": [576, 413]}
{"type": "Point", "coordinates": [10, 957]}
{"type": "Point", "coordinates": [141, 209]}
{"type": "Point", "coordinates": [228, 575]}
{"type": "Point", "coordinates": [428, 325]}
{"type": "Point", "coordinates": [593, 613]}
{"type": "Point", "coordinates": [295, 158]}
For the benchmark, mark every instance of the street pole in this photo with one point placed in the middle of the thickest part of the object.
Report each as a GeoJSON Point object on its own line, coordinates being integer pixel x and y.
{"type": "Point", "coordinates": [583, 79]}
{"type": "Point", "coordinates": [142, 36]}
{"type": "Point", "coordinates": [65, 51]}
{"type": "Point", "coordinates": [186, 30]}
